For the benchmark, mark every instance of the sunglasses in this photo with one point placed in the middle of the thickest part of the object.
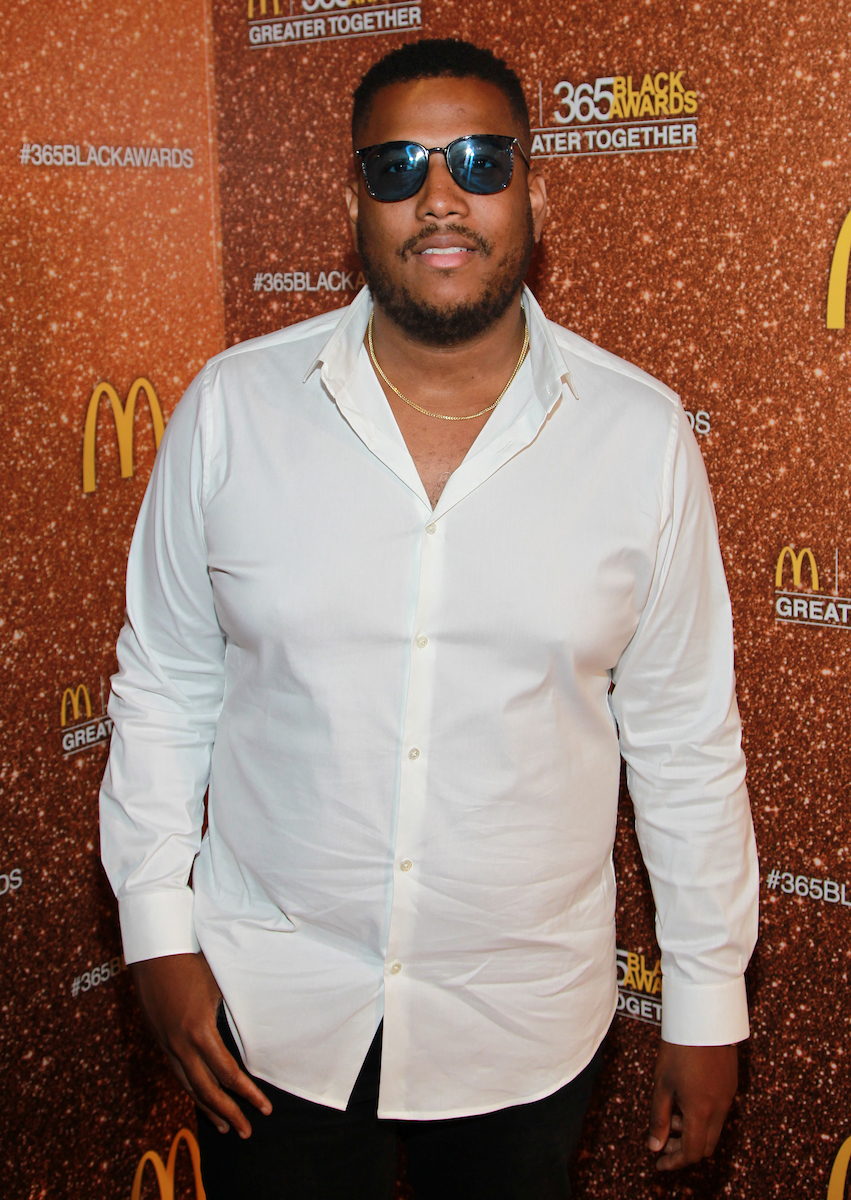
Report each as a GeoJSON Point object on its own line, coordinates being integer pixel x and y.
{"type": "Point", "coordinates": [481, 163]}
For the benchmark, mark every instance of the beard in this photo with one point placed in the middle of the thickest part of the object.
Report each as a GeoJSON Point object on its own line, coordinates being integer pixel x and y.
{"type": "Point", "coordinates": [448, 324]}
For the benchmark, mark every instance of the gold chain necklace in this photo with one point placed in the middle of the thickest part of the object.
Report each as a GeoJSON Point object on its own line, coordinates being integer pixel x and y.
{"type": "Point", "coordinates": [443, 416]}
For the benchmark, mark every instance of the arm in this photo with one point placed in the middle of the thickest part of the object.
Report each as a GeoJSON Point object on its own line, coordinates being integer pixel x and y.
{"type": "Point", "coordinates": [702, 1080]}
{"type": "Point", "coordinates": [165, 704]}
{"type": "Point", "coordinates": [180, 1000]}
{"type": "Point", "coordinates": [680, 733]}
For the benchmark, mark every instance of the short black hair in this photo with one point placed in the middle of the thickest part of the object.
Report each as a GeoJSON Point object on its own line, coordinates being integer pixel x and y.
{"type": "Point", "coordinates": [431, 58]}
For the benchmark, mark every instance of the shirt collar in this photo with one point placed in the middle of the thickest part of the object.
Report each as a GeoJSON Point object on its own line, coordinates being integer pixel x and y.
{"type": "Point", "coordinates": [549, 370]}
{"type": "Point", "coordinates": [338, 357]}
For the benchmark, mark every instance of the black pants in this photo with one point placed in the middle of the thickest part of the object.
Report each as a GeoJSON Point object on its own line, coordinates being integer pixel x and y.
{"type": "Point", "coordinates": [306, 1151]}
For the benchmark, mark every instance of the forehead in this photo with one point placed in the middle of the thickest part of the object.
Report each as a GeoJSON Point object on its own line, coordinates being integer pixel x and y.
{"type": "Point", "coordinates": [434, 111]}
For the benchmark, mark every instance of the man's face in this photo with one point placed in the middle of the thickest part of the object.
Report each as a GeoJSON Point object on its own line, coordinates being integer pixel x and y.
{"type": "Point", "coordinates": [445, 264]}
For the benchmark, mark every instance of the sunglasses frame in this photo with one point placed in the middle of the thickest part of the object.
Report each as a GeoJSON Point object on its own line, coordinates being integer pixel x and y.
{"type": "Point", "coordinates": [444, 150]}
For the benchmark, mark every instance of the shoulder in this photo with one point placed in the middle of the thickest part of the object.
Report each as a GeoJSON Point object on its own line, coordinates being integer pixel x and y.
{"type": "Point", "coordinates": [291, 349]}
{"type": "Point", "coordinates": [233, 387]}
{"type": "Point", "coordinates": [606, 373]}
{"type": "Point", "coordinates": [633, 420]}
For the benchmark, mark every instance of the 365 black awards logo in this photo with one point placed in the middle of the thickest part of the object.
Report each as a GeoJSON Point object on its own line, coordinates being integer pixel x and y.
{"type": "Point", "coordinates": [617, 114]}
{"type": "Point", "coordinates": [639, 987]}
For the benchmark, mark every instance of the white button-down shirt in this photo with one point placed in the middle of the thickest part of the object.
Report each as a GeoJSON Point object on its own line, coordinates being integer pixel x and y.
{"type": "Point", "coordinates": [411, 721]}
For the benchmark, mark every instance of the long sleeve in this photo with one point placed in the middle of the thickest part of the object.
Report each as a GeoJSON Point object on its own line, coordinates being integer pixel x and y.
{"type": "Point", "coordinates": [165, 701]}
{"type": "Point", "coordinates": [680, 735]}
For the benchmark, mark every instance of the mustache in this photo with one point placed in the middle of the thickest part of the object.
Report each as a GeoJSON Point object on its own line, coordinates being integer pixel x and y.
{"type": "Point", "coordinates": [409, 247]}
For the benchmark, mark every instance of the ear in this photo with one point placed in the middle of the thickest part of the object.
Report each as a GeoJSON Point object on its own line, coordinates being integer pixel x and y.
{"type": "Point", "coordinates": [352, 205]}
{"type": "Point", "coordinates": [538, 200]}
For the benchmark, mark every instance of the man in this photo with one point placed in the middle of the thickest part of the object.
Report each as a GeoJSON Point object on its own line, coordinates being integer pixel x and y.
{"type": "Point", "coordinates": [407, 582]}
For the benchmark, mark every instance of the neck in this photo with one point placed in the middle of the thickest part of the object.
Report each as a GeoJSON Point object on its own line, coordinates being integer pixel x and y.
{"type": "Point", "coordinates": [451, 379]}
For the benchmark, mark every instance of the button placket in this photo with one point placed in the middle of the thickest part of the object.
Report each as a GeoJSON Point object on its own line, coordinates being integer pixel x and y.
{"type": "Point", "coordinates": [414, 763]}
{"type": "Point", "coordinates": [420, 680]}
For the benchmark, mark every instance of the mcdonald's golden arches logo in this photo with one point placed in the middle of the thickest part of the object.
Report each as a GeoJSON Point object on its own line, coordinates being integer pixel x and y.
{"type": "Point", "coordinates": [83, 731]}
{"type": "Point", "coordinates": [837, 287]}
{"type": "Point", "coordinates": [123, 416]}
{"type": "Point", "coordinates": [165, 1171]}
{"type": "Point", "coordinates": [74, 694]}
{"type": "Point", "coordinates": [797, 561]}
{"type": "Point", "coordinates": [839, 1174]}
{"type": "Point", "coordinates": [802, 600]}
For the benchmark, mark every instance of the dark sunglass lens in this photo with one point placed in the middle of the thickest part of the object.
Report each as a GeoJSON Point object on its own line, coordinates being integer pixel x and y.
{"type": "Point", "coordinates": [481, 165]}
{"type": "Point", "coordinates": [396, 170]}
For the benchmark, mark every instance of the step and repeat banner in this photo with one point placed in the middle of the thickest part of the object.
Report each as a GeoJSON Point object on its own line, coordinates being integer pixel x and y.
{"type": "Point", "coordinates": [172, 184]}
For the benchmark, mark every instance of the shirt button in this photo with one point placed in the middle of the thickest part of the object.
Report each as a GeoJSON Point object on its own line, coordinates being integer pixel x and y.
{"type": "Point", "coordinates": [396, 968]}
{"type": "Point", "coordinates": [422, 642]}
{"type": "Point", "coordinates": [405, 864]}
{"type": "Point", "coordinates": [431, 528]}
{"type": "Point", "coordinates": [413, 753]}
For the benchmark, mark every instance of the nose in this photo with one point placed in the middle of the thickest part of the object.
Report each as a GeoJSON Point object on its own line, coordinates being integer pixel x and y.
{"type": "Point", "coordinates": [440, 196]}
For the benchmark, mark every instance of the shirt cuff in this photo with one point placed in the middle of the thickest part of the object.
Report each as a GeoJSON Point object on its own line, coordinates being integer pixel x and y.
{"type": "Point", "coordinates": [156, 924]}
{"type": "Point", "coordinates": [704, 1014]}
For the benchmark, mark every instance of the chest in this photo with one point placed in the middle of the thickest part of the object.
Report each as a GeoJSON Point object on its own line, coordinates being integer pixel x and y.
{"type": "Point", "coordinates": [437, 447]}
{"type": "Point", "coordinates": [326, 558]}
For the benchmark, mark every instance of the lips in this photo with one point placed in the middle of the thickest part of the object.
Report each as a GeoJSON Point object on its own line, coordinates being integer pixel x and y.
{"type": "Point", "coordinates": [450, 246]}
{"type": "Point", "coordinates": [442, 252]}
{"type": "Point", "coordinates": [445, 251]}
{"type": "Point", "coordinates": [440, 244]}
